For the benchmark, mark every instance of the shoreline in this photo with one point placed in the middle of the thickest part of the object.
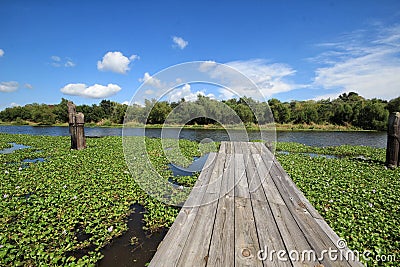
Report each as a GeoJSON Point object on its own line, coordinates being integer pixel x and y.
{"type": "Point", "coordinates": [278, 127]}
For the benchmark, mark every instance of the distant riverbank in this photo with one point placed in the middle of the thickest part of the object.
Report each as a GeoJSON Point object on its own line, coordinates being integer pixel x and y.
{"type": "Point", "coordinates": [307, 137]}
{"type": "Point", "coordinates": [250, 127]}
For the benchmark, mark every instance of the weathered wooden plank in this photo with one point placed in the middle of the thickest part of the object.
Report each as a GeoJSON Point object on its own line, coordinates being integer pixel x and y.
{"type": "Point", "coordinates": [245, 147]}
{"type": "Point", "coordinates": [241, 185]}
{"type": "Point", "coordinates": [246, 239]}
{"type": "Point", "coordinates": [353, 261]}
{"type": "Point", "coordinates": [269, 236]}
{"type": "Point", "coordinates": [195, 251]}
{"type": "Point", "coordinates": [314, 235]}
{"type": "Point", "coordinates": [227, 176]}
{"type": "Point", "coordinates": [264, 210]}
{"type": "Point", "coordinates": [221, 251]}
{"type": "Point", "coordinates": [253, 148]}
{"type": "Point", "coordinates": [298, 200]}
{"type": "Point", "coordinates": [268, 185]}
{"type": "Point", "coordinates": [237, 148]}
{"type": "Point", "coordinates": [254, 181]}
{"type": "Point", "coordinates": [222, 148]}
{"type": "Point", "coordinates": [393, 140]}
{"type": "Point", "coordinates": [179, 231]}
{"type": "Point", "coordinates": [229, 148]}
{"type": "Point", "coordinates": [292, 236]}
{"type": "Point", "coordinates": [262, 149]}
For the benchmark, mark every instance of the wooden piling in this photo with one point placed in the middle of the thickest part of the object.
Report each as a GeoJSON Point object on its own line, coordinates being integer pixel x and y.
{"type": "Point", "coordinates": [393, 140]}
{"type": "Point", "coordinates": [76, 127]}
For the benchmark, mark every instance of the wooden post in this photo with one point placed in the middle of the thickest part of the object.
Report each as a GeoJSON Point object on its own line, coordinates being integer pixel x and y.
{"type": "Point", "coordinates": [393, 140]}
{"type": "Point", "coordinates": [76, 127]}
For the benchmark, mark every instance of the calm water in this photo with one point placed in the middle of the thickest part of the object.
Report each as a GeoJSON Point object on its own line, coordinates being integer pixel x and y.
{"type": "Point", "coordinates": [374, 139]}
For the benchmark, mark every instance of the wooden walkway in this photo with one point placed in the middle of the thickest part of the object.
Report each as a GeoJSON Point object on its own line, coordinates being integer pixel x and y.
{"type": "Point", "coordinates": [244, 204]}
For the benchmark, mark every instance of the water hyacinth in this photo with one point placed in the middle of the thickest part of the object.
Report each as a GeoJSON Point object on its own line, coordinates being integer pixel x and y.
{"type": "Point", "coordinates": [48, 214]}
{"type": "Point", "coordinates": [364, 194]}
{"type": "Point", "coordinates": [47, 206]}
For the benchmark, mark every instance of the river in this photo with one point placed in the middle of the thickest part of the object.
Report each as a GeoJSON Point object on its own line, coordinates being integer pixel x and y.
{"type": "Point", "coordinates": [311, 138]}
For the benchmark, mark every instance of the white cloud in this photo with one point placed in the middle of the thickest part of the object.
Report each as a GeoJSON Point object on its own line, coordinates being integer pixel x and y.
{"type": "Point", "coordinates": [115, 62]}
{"type": "Point", "coordinates": [28, 86]}
{"type": "Point", "coordinates": [69, 64]}
{"type": "Point", "coordinates": [125, 103]}
{"type": "Point", "coordinates": [58, 62]}
{"type": "Point", "coordinates": [56, 58]}
{"type": "Point", "coordinates": [186, 93]}
{"type": "Point", "coordinates": [8, 87]}
{"type": "Point", "coordinates": [13, 104]}
{"type": "Point", "coordinates": [359, 63]}
{"type": "Point", "coordinates": [94, 91]}
{"type": "Point", "coordinates": [180, 42]}
{"type": "Point", "coordinates": [330, 96]}
{"type": "Point", "coordinates": [1, 52]}
{"type": "Point", "coordinates": [149, 80]}
{"type": "Point", "coordinates": [270, 78]}
{"type": "Point", "coordinates": [207, 65]}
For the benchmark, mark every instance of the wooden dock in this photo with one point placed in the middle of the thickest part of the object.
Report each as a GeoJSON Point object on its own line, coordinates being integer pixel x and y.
{"type": "Point", "coordinates": [246, 211]}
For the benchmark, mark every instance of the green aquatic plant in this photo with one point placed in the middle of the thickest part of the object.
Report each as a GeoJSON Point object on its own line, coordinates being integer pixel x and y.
{"type": "Point", "coordinates": [64, 210]}
{"type": "Point", "coordinates": [74, 202]}
{"type": "Point", "coordinates": [355, 193]}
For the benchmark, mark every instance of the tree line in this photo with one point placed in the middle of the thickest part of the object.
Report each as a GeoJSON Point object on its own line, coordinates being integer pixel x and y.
{"type": "Point", "coordinates": [349, 109]}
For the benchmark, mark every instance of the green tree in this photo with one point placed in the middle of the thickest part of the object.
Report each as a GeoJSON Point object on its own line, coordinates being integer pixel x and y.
{"type": "Point", "coordinates": [119, 113]}
{"type": "Point", "coordinates": [394, 105]}
{"type": "Point", "coordinates": [61, 111]}
{"type": "Point", "coordinates": [159, 113]}
{"type": "Point", "coordinates": [373, 116]}
{"type": "Point", "coordinates": [245, 113]}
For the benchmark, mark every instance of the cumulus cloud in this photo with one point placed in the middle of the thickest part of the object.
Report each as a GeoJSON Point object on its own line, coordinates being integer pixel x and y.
{"type": "Point", "coordinates": [94, 91]}
{"type": "Point", "coordinates": [1, 52]}
{"type": "Point", "coordinates": [358, 62]}
{"type": "Point", "coordinates": [186, 93]}
{"type": "Point", "coordinates": [8, 87]}
{"type": "Point", "coordinates": [115, 62]}
{"type": "Point", "coordinates": [149, 80]}
{"type": "Point", "coordinates": [180, 42]}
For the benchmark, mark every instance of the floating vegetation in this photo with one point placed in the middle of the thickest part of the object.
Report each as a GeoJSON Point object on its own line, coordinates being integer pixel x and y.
{"type": "Point", "coordinates": [64, 210]}
{"type": "Point", "coordinates": [355, 193]}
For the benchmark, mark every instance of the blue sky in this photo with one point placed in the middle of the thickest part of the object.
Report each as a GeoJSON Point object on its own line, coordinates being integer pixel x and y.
{"type": "Point", "coordinates": [86, 51]}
